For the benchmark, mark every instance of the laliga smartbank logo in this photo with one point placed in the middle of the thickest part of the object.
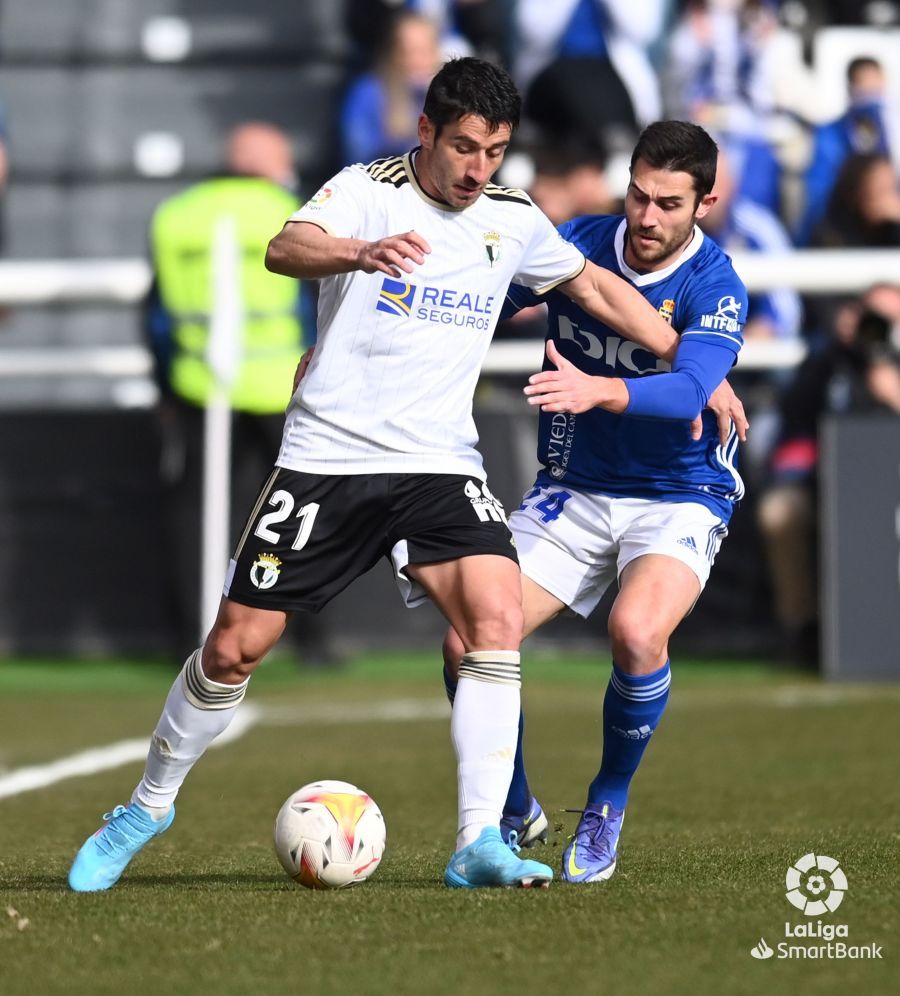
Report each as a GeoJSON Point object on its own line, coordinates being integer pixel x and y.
{"type": "Point", "coordinates": [816, 885]}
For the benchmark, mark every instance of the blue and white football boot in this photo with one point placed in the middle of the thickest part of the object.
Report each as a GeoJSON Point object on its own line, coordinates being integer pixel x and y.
{"type": "Point", "coordinates": [489, 861]}
{"type": "Point", "coordinates": [591, 852]}
{"type": "Point", "coordinates": [527, 830]}
{"type": "Point", "coordinates": [105, 854]}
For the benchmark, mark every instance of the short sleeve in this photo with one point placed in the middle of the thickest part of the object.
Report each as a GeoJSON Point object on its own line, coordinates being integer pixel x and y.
{"type": "Point", "coordinates": [548, 259]}
{"type": "Point", "coordinates": [338, 206]}
{"type": "Point", "coordinates": [716, 310]}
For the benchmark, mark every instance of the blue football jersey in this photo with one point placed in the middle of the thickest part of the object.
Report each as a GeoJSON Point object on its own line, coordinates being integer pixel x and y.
{"type": "Point", "coordinates": [626, 455]}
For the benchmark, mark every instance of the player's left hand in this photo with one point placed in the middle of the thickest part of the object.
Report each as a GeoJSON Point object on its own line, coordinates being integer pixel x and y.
{"type": "Point", "coordinates": [568, 389]}
{"type": "Point", "coordinates": [728, 409]}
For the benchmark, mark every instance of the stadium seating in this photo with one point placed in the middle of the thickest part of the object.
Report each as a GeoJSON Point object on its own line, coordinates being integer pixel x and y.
{"type": "Point", "coordinates": [93, 31]}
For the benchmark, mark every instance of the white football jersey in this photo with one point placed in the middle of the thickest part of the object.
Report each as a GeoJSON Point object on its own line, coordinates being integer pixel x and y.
{"type": "Point", "coordinates": [390, 386]}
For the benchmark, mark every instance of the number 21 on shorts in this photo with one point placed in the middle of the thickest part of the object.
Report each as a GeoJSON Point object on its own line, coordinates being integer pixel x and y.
{"type": "Point", "coordinates": [285, 502]}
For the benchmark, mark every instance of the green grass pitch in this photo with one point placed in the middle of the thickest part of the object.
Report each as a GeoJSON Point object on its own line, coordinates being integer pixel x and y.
{"type": "Point", "coordinates": [750, 769]}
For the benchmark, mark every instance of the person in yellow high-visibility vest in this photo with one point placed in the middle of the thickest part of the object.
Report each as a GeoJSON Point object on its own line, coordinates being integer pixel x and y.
{"type": "Point", "coordinates": [256, 191]}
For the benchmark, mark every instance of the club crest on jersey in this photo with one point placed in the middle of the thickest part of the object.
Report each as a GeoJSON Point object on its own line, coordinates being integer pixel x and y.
{"type": "Point", "coordinates": [396, 297]}
{"type": "Point", "coordinates": [264, 571]}
{"type": "Point", "coordinates": [667, 309]}
{"type": "Point", "coordinates": [492, 247]}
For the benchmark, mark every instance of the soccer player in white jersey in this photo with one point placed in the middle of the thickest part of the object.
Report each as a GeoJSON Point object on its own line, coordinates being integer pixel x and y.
{"type": "Point", "coordinates": [378, 456]}
{"type": "Point", "coordinates": [626, 491]}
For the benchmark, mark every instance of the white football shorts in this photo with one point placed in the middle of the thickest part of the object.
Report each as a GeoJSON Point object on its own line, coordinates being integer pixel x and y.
{"type": "Point", "coordinates": [574, 544]}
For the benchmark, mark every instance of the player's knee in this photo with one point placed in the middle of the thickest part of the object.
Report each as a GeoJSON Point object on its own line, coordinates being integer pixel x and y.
{"type": "Point", "coordinates": [637, 646]}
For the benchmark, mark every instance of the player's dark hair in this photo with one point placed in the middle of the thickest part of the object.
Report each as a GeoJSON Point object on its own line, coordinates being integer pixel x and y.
{"type": "Point", "coordinates": [472, 86]}
{"type": "Point", "coordinates": [681, 147]}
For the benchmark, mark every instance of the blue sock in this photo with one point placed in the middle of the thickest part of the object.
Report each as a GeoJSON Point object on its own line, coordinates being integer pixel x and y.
{"type": "Point", "coordinates": [632, 709]}
{"type": "Point", "coordinates": [518, 799]}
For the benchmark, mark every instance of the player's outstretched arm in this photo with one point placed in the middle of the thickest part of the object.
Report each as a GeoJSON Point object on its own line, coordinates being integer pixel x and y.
{"type": "Point", "coordinates": [617, 304]}
{"type": "Point", "coordinates": [302, 249]}
{"type": "Point", "coordinates": [679, 395]}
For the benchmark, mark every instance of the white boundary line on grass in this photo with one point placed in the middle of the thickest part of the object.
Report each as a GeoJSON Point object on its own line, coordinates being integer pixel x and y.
{"type": "Point", "coordinates": [115, 755]}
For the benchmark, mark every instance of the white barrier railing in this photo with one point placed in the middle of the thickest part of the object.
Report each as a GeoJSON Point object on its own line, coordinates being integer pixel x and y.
{"type": "Point", "coordinates": [127, 281]}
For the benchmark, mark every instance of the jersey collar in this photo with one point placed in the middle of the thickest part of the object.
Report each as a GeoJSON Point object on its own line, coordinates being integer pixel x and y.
{"type": "Point", "coordinates": [654, 276]}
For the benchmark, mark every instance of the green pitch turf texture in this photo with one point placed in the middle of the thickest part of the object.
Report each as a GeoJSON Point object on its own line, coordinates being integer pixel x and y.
{"type": "Point", "coordinates": [751, 769]}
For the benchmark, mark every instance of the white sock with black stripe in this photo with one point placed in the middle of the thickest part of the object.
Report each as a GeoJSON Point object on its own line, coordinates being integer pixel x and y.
{"type": "Point", "coordinates": [197, 710]}
{"type": "Point", "coordinates": [484, 728]}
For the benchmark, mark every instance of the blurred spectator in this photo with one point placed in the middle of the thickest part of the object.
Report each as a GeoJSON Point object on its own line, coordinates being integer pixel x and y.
{"type": "Point", "coordinates": [736, 222]}
{"type": "Point", "coordinates": [860, 130]}
{"type": "Point", "coordinates": [465, 27]}
{"type": "Point", "coordinates": [381, 110]}
{"type": "Point", "coordinates": [256, 192]}
{"type": "Point", "coordinates": [864, 208]}
{"type": "Point", "coordinates": [858, 371]}
{"type": "Point", "coordinates": [570, 180]}
{"type": "Point", "coordinates": [584, 67]}
{"type": "Point", "coordinates": [720, 73]}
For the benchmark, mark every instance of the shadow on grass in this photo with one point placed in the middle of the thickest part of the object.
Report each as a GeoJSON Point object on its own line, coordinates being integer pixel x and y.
{"type": "Point", "coordinates": [244, 881]}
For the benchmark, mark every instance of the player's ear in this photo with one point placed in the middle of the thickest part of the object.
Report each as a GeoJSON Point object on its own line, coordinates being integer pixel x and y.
{"type": "Point", "coordinates": [426, 131]}
{"type": "Point", "coordinates": [705, 205]}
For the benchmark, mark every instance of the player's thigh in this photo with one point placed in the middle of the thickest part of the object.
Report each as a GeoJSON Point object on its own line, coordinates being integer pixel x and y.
{"type": "Point", "coordinates": [655, 593]}
{"type": "Point", "coordinates": [567, 550]}
{"type": "Point", "coordinates": [307, 538]}
{"type": "Point", "coordinates": [480, 596]}
{"type": "Point", "coordinates": [450, 542]}
{"type": "Point", "coordinates": [666, 552]}
{"type": "Point", "coordinates": [539, 606]}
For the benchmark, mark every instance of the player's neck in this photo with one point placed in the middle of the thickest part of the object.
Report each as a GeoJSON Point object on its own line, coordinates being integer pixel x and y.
{"type": "Point", "coordinates": [421, 167]}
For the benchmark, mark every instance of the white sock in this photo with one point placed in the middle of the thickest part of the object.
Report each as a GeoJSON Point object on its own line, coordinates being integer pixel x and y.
{"type": "Point", "coordinates": [196, 712]}
{"type": "Point", "coordinates": [484, 728]}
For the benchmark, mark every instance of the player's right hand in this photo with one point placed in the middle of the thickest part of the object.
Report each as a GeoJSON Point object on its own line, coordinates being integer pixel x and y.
{"type": "Point", "coordinates": [394, 255]}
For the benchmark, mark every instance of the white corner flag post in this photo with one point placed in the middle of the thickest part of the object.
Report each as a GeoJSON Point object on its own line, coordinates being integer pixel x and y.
{"type": "Point", "coordinates": [223, 356]}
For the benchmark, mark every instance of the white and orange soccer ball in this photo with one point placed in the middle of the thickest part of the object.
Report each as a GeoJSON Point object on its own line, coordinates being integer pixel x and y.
{"type": "Point", "coordinates": [329, 835]}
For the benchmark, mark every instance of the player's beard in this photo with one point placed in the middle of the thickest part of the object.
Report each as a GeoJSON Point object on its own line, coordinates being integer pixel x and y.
{"type": "Point", "coordinates": [662, 248]}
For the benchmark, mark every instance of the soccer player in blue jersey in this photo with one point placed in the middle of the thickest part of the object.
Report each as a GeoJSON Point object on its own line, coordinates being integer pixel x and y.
{"type": "Point", "coordinates": [625, 489]}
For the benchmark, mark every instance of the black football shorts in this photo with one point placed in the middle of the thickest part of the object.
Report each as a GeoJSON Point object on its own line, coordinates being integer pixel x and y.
{"type": "Point", "coordinates": [311, 535]}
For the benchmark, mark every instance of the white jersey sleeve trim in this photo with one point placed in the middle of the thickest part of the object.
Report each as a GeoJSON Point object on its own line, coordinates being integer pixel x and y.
{"type": "Point", "coordinates": [708, 332]}
{"type": "Point", "coordinates": [546, 288]}
{"type": "Point", "coordinates": [326, 228]}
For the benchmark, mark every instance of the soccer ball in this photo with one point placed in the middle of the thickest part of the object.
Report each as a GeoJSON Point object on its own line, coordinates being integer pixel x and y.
{"type": "Point", "coordinates": [329, 835]}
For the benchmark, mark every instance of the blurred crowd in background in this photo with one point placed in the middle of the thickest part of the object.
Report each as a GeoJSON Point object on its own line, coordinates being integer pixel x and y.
{"type": "Point", "coordinates": [809, 136]}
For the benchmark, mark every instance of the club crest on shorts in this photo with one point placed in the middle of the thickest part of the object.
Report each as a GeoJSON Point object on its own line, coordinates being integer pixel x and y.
{"type": "Point", "coordinates": [264, 570]}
